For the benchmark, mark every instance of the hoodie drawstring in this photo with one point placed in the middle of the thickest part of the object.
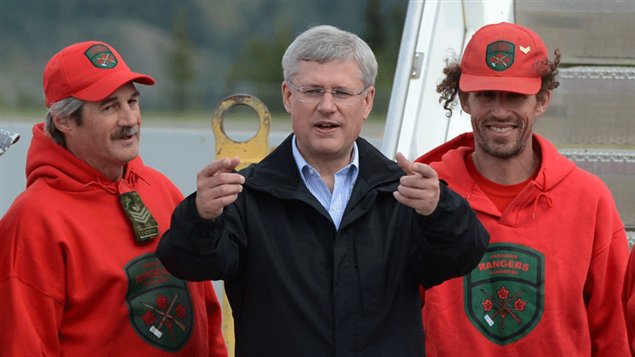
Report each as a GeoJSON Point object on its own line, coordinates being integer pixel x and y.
{"type": "Point", "coordinates": [107, 186]}
{"type": "Point", "coordinates": [543, 194]}
{"type": "Point", "coordinates": [124, 185]}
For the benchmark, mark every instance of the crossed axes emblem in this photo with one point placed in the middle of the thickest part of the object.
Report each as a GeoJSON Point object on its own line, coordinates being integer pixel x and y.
{"type": "Point", "coordinates": [105, 59]}
{"type": "Point", "coordinates": [500, 60]}
{"type": "Point", "coordinates": [156, 330]}
{"type": "Point", "coordinates": [503, 308]}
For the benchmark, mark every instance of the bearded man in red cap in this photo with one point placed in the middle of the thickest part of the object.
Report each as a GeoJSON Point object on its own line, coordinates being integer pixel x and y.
{"type": "Point", "coordinates": [550, 281]}
{"type": "Point", "coordinates": [78, 274]}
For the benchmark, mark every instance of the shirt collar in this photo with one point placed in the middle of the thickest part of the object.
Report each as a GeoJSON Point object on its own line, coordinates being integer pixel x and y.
{"type": "Point", "coordinates": [301, 162]}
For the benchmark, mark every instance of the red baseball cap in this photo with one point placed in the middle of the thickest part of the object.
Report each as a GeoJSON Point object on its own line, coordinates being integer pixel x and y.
{"type": "Point", "coordinates": [90, 71]}
{"type": "Point", "coordinates": [503, 57]}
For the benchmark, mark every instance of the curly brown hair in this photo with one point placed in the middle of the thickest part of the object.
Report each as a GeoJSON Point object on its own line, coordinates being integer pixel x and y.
{"type": "Point", "coordinates": [449, 86]}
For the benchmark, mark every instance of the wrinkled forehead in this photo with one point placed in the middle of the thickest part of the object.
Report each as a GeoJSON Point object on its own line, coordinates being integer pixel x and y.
{"type": "Point", "coordinates": [344, 72]}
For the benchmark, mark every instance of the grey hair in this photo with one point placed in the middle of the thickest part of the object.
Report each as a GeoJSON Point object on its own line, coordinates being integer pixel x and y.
{"type": "Point", "coordinates": [66, 108]}
{"type": "Point", "coordinates": [328, 43]}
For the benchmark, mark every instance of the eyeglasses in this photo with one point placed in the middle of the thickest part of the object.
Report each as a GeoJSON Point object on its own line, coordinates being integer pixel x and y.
{"type": "Point", "coordinates": [315, 94]}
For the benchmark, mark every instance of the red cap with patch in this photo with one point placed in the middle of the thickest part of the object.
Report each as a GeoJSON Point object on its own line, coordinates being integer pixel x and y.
{"type": "Point", "coordinates": [503, 57]}
{"type": "Point", "coordinates": [90, 71]}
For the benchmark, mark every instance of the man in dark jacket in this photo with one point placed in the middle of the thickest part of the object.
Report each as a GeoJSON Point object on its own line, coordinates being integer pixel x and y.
{"type": "Point", "coordinates": [324, 243]}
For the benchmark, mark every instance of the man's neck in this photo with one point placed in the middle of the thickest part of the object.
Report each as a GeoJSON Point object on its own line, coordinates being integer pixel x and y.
{"type": "Point", "coordinates": [328, 167]}
{"type": "Point", "coordinates": [327, 170]}
{"type": "Point", "coordinates": [507, 171]}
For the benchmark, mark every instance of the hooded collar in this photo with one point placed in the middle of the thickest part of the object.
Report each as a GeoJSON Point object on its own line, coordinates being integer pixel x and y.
{"type": "Point", "coordinates": [62, 170]}
{"type": "Point", "coordinates": [449, 161]}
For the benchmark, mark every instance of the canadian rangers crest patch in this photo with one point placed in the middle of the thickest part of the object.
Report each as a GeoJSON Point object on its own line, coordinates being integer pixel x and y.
{"type": "Point", "coordinates": [159, 304]}
{"type": "Point", "coordinates": [504, 294]}
{"type": "Point", "coordinates": [500, 55]}
{"type": "Point", "coordinates": [101, 56]}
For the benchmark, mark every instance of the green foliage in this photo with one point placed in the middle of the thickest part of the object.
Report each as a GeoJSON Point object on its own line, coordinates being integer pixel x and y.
{"type": "Point", "coordinates": [384, 27]}
{"type": "Point", "coordinates": [258, 70]}
{"type": "Point", "coordinates": [180, 68]}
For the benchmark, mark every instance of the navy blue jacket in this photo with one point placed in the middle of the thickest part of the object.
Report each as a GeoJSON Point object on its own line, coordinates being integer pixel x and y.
{"type": "Point", "coordinates": [300, 287]}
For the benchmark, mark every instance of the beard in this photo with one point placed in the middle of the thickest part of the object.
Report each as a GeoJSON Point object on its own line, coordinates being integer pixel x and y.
{"type": "Point", "coordinates": [501, 147]}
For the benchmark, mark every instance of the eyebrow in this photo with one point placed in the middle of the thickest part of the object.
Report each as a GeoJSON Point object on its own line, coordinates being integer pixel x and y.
{"type": "Point", "coordinates": [114, 98]}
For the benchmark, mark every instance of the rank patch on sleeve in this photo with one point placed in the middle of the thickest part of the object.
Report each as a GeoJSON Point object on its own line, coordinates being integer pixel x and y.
{"type": "Point", "coordinates": [144, 225]}
{"type": "Point", "coordinates": [160, 305]}
{"type": "Point", "coordinates": [504, 294]}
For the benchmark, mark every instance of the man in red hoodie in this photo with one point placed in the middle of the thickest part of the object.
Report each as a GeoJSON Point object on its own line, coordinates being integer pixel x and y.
{"type": "Point", "coordinates": [550, 281]}
{"type": "Point", "coordinates": [78, 273]}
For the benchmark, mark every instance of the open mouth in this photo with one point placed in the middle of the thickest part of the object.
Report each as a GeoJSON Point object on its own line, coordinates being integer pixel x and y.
{"type": "Point", "coordinates": [326, 126]}
{"type": "Point", "coordinates": [501, 129]}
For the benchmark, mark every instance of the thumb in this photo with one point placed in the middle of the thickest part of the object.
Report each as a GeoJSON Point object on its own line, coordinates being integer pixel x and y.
{"type": "Point", "coordinates": [404, 163]}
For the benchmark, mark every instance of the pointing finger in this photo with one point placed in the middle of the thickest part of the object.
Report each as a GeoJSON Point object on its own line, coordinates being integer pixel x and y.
{"type": "Point", "coordinates": [222, 165]}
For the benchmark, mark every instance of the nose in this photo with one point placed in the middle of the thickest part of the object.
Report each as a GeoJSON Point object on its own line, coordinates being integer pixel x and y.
{"type": "Point", "coordinates": [327, 103]}
{"type": "Point", "coordinates": [128, 116]}
{"type": "Point", "coordinates": [501, 109]}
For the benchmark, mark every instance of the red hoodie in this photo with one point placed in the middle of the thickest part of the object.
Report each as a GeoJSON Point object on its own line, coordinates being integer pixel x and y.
{"type": "Point", "coordinates": [550, 282]}
{"type": "Point", "coordinates": [74, 282]}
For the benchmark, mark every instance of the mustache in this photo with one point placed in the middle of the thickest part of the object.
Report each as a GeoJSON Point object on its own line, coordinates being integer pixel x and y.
{"type": "Point", "coordinates": [125, 132]}
{"type": "Point", "coordinates": [507, 121]}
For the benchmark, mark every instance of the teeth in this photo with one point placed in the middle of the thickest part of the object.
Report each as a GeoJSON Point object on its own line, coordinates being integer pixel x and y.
{"type": "Point", "coordinates": [501, 130]}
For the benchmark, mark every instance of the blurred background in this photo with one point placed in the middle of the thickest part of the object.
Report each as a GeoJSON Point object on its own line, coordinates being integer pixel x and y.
{"type": "Point", "coordinates": [199, 51]}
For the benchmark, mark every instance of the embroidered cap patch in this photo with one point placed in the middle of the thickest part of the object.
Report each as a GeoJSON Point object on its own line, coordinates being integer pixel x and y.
{"type": "Point", "coordinates": [500, 55]}
{"type": "Point", "coordinates": [101, 56]}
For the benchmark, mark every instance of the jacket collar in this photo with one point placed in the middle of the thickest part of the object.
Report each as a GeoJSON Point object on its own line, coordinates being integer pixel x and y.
{"type": "Point", "coordinates": [277, 173]}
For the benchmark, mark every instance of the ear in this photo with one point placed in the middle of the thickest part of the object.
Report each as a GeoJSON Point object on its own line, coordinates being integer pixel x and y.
{"type": "Point", "coordinates": [541, 105]}
{"type": "Point", "coordinates": [368, 101]}
{"type": "Point", "coordinates": [286, 96]}
{"type": "Point", "coordinates": [63, 124]}
{"type": "Point", "coordinates": [463, 100]}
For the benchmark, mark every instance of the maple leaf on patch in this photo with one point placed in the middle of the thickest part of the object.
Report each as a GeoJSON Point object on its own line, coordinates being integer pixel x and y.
{"type": "Point", "coordinates": [181, 311]}
{"type": "Point", "coordinates": [519, 305]}
{"type": "Point", "coordinates": [162, 302]}
{"type": "Point", "coordinates": [487, 305]}
{"type": "Point", "coordinates": [503, 293]}
{"type": "Point", "coordinates": [148, 318]}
